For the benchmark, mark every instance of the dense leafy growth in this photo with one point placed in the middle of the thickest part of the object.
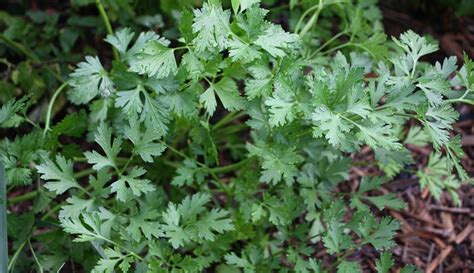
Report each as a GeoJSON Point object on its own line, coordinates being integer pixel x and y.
{"type": "Point", "coordinates": [225, 147]}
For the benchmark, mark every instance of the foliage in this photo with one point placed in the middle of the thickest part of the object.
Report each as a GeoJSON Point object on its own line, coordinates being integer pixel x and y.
{"type": "Point", "coordinates": [154, 169]}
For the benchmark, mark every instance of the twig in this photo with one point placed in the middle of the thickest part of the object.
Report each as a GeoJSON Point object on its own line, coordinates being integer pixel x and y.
{"type": "Point", "coordinates": [464, 233]}
{"type": "Point", "coordinates": [449, 209]}
{"type": "Point", "coordinates": [439, 259]}
{"type": "Point", "coordinates": [107, 24]}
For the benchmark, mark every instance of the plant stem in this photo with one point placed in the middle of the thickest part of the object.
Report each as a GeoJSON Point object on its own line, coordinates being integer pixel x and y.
{"type": "Point", "coordinates": [232, 167]}
{"type": "Point", "coordinates": [107, 24]}
{"type": "Point", "coordinates": [333, 38]}
{"type": "Point", "coordinates": [32, 194]}
{"type": "Point", "coordinates": [232, 129]}
{"type": "Point", "coordinates": [50, 107]}
{"type": "Point", "coordinates": [19, 48]}
{"type": "Point", "coordinates": [313, 20]}
{"type": "Point", "coordinates": [221, 185]}
{"type": "Point", "coordinates": [23, 197]}
{"type": "Point", "coordinates": [228, 118]}
{"type": "Point", "coordinates": [12, 262]}
{"type": "Point", "coordinates": [40, 268]}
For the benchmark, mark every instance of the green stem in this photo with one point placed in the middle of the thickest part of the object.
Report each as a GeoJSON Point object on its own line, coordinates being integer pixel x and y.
{"type": "Point", "coordinates": [32, 194]}
{"type": "Point", "coordinates": [461, 99]}
{"type": "Point", "coordinates": [19, 48]}
{"type": "Point", "coordinates": [313, 20]}
{"type": "Point", "coordinates": [335, 37]}
{"type": "Point", "coordinates": [231, 167]}
{"type": "Point", "coordinates": [300, 21]}
{"type": "Point", "coordinates": [40, 268]}
{"type": "Point", "coordinates": [12, 262]}
{"type": "Point", "coordinates": [50, 107]}
{"type": "Point", "coordinates": [107, 24]}
{"type": "Point", "coordinates": [221, 185]}
{"type": "Point", "coordinates": [227, 119]}
{"type": "Point", "coordinates": [23, 197]}
{"type": "Point", "coordinates": [232, 129]}
{"type": "Point", "coordinates": [337, 48]}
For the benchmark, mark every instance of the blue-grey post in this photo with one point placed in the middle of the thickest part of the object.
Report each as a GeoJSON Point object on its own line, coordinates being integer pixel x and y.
{"type": "Point", "coordinates": [3, 222]}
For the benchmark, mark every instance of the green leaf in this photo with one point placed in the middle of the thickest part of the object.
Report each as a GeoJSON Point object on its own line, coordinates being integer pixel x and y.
{"type": "Point", "coordinates": [415, 47]}
{"type": "Point", "coordinates": [416, 136]}
{"type": "Point", "coordinates": [226, 90]}
{"type": "Point", "coordinates": [89, 80]}
{"type": "Point", "coordinates": [438, 121]}
{"type": "Point", "coordinates": [103, 137]}
{"type": "Point", "coordinates": [437, 176]}
{"type": "Point", "coordinates": [72, 125]}
{"type": "Point", "coordinates": [348, 267]}
{"type": "Point", "coordinates": [144, 224]}
{"type": "Point", "coordinates": [276, 41]}
{"type": "Point", "coordinates": [211, 24]}
{"type": "Point", "coordinates": [335, 240]}
{"type": "Point", "coordinates": [128, 185]}
{"type": "Point", "coordinates": [75, 206]}
{"type": "Point", "coordinates": [281, 111]}
{"type": "Point", "coordinates": [155, 60]}
{"type": "Point", "coordinates": [382, 201]}
{"type": "Point", "coordinates": [121, 39]}
{"type": "Point", "coordinates": [392, 162]}
{"type": "Point", "coordinates": [155, 114]}
{"type": "Point", "coordinates": [9, 113]}
{"type": "Point", "coordinates": [190, 221]}
{"type": "Point", "coordinates": [144, 142]}
{"type": "Point", "coordinates": [59, 175]}
{"type": "Point", "coordinates": [388, 200]}
{"type": "Point", "coordinates": [380, 235]}
{"type": "Point", "coordinates": [385, 262]}
{"type": "Point", "coordinates": [279, 162]}
{"type": "Point", "coordinates": [188, 174]}
{"type": "Point", "coordinates": [331, 125]}
{"type": "Point", "coordinates": [246, 265]}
